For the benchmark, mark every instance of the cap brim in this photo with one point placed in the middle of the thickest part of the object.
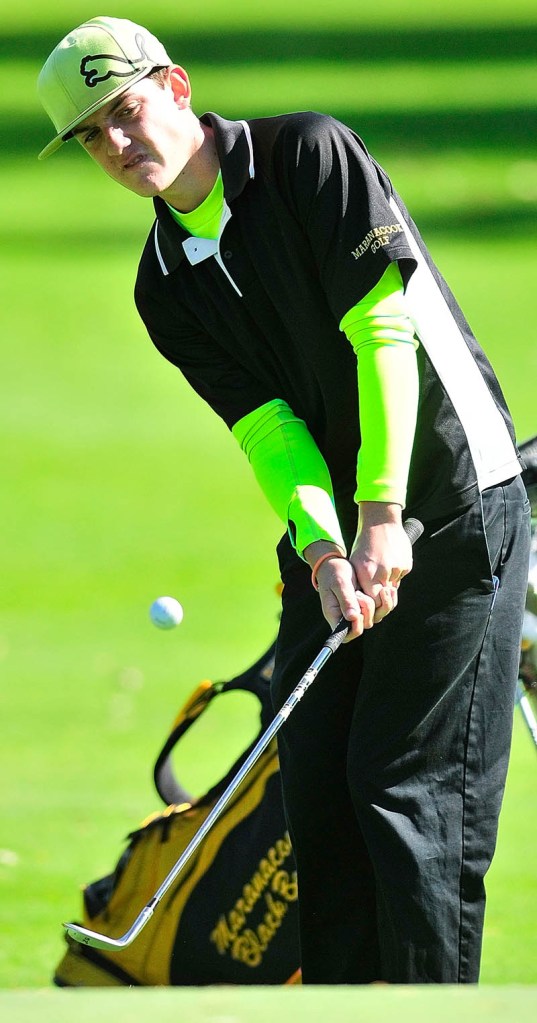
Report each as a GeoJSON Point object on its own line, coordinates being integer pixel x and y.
{"type": "Point", "coordinates": [61, 137]}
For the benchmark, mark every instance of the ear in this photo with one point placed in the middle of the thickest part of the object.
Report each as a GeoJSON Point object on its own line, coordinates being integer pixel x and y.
{"type": "Point", "coordinates": [180, 85]}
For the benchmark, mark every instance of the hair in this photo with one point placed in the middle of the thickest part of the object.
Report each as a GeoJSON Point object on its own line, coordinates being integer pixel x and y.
{"type": "Point", "coordinates": [160, 75]}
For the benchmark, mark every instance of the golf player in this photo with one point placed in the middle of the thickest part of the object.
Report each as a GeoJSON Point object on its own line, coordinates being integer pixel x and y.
{"type": "Point", "coordinates": [286, 280]}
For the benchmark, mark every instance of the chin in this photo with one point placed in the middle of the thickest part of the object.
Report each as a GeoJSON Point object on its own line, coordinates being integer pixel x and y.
{"type": "Point", "coordinates": [153, 187]}
{"type": "Point", "coordinates": [146, 189]}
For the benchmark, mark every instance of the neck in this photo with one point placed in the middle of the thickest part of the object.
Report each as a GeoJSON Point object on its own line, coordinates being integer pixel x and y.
{"type": "Point", "coordinates": [198, 176]}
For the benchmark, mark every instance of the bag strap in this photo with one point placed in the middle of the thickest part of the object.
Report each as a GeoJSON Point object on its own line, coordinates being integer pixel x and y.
{"type": "Point", "coordinates": [255, 680]}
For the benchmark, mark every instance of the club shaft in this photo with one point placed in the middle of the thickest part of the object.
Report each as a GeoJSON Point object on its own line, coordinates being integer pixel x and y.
{"type": "Point", "coordinates": [527, 712]}
{"type": "Point", "coordinates": [251, 760]}
{"type": "Point", "coordinates": [92, 938]}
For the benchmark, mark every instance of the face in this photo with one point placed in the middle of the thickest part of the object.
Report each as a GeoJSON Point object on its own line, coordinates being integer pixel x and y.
{"type": "Point", "coordinates": [145, 138]}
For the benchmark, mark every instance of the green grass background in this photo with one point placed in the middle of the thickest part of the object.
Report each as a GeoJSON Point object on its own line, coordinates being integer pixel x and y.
{"type": "Point", "coordinates": [119, 485]}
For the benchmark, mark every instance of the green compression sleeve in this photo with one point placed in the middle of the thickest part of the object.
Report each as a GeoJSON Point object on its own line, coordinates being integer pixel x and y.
{"type": "Point", "coordinates": [291, 472]}
{"type": "Point", "coordinates": [204, 221]}
{"type": "Point", "coordinates": [383, 338]}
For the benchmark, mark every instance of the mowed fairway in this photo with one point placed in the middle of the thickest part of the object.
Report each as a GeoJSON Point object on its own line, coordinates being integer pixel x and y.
{"type": "Point", "coordinates": [264, 1005]}
{"type": "Point", "coordinates": [120, 485]}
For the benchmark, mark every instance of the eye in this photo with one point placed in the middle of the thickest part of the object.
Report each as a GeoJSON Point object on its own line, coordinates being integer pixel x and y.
{"type": "Point", "coordinates": [90, 136]}
{"type": "Point", "coordinates": [130, 110]}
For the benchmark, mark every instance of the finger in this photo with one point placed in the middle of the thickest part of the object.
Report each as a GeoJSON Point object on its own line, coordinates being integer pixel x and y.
{"type": "Point", "coordinates": [339, 598]}
{"type": "Point", "coordinates": [396, 578]}
{"type": "Point", "coordinates": [395, 575]}
{"type": "Point", "coordinates": [336, 605]}
{"type": "Point", "coordinates": [367, 608]}
{"type": "Point", "coordinates": [386, 602]}
{"type": "Point", "coordinates": [350, 608]}
{"type": "Point", "coordinates": [354, 619]}
{"type": "Point", "coordinates": [356, 626]}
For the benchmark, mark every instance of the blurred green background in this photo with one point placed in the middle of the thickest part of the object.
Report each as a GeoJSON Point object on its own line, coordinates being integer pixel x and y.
{"type": "Point", "coordinates": [120, 485]}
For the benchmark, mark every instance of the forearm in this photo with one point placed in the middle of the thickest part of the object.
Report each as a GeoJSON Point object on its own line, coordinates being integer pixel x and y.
{"type": "Point", "coordinates": [388, 385]}
{"type": "Point", "coordinates": [291, 473]}
{"type": "Point", "coordinates": [382, 337]}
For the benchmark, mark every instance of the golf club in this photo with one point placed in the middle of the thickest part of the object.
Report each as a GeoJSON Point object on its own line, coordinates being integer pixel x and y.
{"type": "Point", "coordinates": [83, 935]}
{"type": "Point", "coordinates": [527, 712]}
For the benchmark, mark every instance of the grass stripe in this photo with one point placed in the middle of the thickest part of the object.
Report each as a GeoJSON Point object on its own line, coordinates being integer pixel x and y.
{"type": "Point", "coordinates": [264, 1005]}
{"type": "Point", "coordinates": [269, 87]}
{"type": "Point", "coordinates": [237, 13]}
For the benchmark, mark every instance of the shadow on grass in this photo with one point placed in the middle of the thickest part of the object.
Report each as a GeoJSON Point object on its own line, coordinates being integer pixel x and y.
{"type": "Point", "coordinates": [486, 130]}
{"type": "Point", "coordinates": [502, 42]}
{"type": "Point", "coordinates": [86, 239]}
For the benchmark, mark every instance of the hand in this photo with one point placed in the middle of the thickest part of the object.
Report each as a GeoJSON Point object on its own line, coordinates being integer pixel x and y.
{"type": "Point", "coordinates": [338, 590]}
{"type": "Point", "coordinates": [382, 555]}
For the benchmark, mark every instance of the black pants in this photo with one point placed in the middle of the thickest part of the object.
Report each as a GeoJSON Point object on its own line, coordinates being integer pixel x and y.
{"type": "Point", "coordinates": [394, 764]}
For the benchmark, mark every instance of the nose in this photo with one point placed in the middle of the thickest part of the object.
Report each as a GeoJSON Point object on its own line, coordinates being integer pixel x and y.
{"type": "Point", "coordinates": [115, 139]}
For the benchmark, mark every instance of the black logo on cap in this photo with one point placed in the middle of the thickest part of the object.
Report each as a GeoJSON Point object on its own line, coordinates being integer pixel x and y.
{"type": "Point", "coordinates": [122, 67]}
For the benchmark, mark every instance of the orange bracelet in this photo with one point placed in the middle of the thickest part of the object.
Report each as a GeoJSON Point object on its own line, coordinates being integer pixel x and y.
{"type": "Point", "coordinates": [318, 563]}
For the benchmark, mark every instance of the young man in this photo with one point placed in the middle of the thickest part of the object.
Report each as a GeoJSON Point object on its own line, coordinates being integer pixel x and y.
{"type": "Point", "coordinates": [286, 280]}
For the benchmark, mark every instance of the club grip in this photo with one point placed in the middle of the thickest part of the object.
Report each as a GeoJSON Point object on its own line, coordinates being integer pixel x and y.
{"type": "Point", "coordinates": [413, 529]}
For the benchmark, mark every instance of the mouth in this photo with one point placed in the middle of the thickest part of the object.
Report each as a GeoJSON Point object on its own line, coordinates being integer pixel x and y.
{"type": "Point", "coordinates": [134, 161]}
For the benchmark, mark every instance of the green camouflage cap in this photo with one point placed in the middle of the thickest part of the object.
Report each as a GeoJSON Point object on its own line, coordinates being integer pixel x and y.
{"type": "Point", "coordinates": [92, 65]}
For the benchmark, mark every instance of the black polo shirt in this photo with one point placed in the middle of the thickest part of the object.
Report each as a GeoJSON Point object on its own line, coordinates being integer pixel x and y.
{"type": "Point", "coordinates": [312, 224]}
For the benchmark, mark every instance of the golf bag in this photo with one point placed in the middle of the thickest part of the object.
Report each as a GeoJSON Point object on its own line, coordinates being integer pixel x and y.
{"type": "Point", "coordinates": [231, 918]}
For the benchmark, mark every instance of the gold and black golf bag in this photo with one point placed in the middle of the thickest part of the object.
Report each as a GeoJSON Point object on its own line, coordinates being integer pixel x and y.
{"type": "Point", "coordinates": [231, 917]}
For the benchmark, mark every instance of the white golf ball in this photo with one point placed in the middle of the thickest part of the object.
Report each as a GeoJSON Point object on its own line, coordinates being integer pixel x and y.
{"type": "Point", "coordinates": [166, 612]}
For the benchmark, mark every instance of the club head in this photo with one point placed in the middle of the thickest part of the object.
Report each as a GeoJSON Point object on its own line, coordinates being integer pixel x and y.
{"type": "Point", "coordinates": [95, 940]}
